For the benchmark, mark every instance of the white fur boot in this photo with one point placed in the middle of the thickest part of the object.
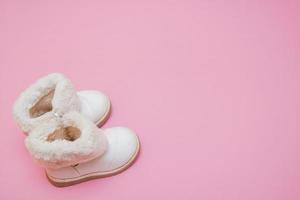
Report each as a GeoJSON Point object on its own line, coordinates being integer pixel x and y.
{"type": "Point", "coordinates": [54, 95]}
{"type": "Point", "coordinates": [73, 149]}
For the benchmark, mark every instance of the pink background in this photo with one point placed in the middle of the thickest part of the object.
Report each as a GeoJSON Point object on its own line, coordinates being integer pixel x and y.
{"type": "Point", "coordinates": [211, 88]}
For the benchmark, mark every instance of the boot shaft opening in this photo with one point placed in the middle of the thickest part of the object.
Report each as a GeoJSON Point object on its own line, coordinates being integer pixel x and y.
{"type": "Point", "coordinates": [43, 106]}
{"type": "Point", "coordinates": [67, 133]}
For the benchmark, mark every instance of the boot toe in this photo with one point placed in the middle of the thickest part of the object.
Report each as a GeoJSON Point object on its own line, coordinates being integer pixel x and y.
{"type": "Point", "coordinates": [95, 105]}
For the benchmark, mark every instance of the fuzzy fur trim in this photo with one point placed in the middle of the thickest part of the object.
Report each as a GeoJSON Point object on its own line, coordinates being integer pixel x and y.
{"type": "Point", "coordinates": [65, 99]}
{"type": "Point", "coordinates": [62, 153]}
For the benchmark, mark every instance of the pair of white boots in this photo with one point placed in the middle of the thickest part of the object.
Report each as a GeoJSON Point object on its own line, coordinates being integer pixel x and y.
{"type": "Point", "coordinates": [63, 136]}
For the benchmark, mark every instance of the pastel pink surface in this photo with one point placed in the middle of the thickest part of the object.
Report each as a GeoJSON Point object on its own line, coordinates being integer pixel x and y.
{"type": "Point", "coordinates": [211, 88]}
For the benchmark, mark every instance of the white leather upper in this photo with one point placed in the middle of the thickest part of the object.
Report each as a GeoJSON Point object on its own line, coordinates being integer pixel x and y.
{"type": "Point", "coordinates": [94, 104]}
{"type": "Point", "coordinates": [122, 146]}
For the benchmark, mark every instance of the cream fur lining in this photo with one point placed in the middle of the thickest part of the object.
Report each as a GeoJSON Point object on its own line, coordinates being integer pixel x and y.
{"type": "Point", "coordinates": [62, 153]}
{"type": "Point", "coordinates": [65, 99]}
